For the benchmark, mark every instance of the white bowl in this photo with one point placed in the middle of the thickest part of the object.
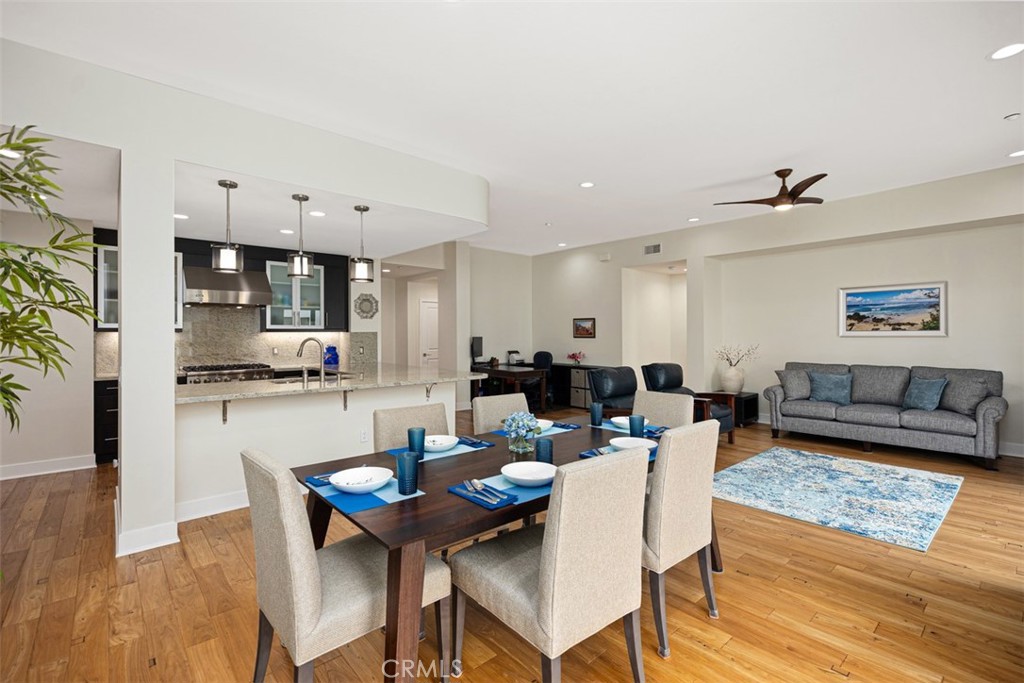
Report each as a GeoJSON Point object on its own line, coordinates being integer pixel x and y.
{"type": "Point", "coordinates": [623, 442]}
{"type": "Point", "coordinates": [529, 473]}
{"type": "Point", "coordinates": [623, 422]}
{"type": "Point", "coordinates": [545, 425]}
{"type": "Point", "coordinates": [436, 443]}
{"type": "Point", "coordinates": [361, 479]}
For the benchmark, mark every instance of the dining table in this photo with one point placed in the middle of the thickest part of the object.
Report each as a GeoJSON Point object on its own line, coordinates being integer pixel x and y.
{"type": "Point", "coordinates": [438, 519]}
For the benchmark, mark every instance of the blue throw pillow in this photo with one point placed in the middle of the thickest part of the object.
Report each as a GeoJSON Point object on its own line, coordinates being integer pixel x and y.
{"type": "Point", "coordinates": [831, 388]}
{"type": "Point", "coordinates": [924, 394]}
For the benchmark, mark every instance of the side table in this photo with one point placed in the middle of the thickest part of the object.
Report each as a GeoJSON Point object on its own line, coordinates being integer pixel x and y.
{"type": "Point", "coordinates": [747, 410]}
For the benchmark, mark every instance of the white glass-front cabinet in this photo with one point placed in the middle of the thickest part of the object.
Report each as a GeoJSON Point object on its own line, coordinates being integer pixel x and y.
{"type": "Point", "coordinates": [295, 302]}
{"type": "Point", "coordinates": [179, 291]}
{"type": "Point", "coordinates": [107, 304]}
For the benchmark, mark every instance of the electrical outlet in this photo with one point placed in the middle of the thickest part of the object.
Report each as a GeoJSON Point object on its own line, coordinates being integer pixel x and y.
{"type": "Point", "coordinates": [274, 350]}
{"type": "Point", "coordinates": [363, 438]}
{"type": "Point", "coordinates": [361, 350]}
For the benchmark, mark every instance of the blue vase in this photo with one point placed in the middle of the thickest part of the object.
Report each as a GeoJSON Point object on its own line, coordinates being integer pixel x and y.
{"type": "Point", "coordinates": [331, 355]}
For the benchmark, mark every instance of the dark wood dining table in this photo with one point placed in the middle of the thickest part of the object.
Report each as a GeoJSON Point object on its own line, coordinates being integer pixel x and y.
{"type": "Point", "coordinates": [410, 528]}
{"type": "Point", "coordinates": [514, 374]}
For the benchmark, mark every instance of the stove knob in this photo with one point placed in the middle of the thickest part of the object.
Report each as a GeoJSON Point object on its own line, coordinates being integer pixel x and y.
{"type": "Point", "coordinates": [218, 379]}
{"type": "Point", "coordinates": [206, 380]}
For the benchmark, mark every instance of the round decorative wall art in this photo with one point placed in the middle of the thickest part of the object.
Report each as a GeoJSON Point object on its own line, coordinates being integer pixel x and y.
{"type": "Point", "coordinates": [366, 306]}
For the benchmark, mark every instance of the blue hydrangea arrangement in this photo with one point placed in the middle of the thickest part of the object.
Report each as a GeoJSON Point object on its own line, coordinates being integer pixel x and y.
{"type": "Point", "coordinates": [522, 425]}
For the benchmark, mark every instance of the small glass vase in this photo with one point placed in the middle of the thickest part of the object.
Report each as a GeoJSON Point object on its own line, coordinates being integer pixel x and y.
{"type": "Point", "coordinates": [520, 445]}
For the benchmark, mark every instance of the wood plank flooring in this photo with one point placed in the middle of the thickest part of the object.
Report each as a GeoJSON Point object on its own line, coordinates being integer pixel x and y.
{"type": "Point", "coordinates": [798, 602]}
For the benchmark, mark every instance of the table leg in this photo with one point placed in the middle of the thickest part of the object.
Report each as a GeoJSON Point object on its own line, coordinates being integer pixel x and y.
{"type": "Point", "coordinates": [544, 393]}
{"type": "Point", "coordinates": [515, 386]}
{"type": "Point", "coordinates": [319, 518]}
{"type": "Point", "coordinates": [405, 597]}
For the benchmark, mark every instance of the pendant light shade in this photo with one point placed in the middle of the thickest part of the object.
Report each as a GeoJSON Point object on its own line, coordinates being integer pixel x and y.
{"type": "Point", "coordinates": [360, 269]}
{"type": "Point", "coordinates": [300, 264]}
{"type": "Point", "coordinates": [228, 257]}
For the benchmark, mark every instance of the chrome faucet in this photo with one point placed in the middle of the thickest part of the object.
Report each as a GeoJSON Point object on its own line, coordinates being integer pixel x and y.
{"type": "Point", "coordinates": [305, 373]}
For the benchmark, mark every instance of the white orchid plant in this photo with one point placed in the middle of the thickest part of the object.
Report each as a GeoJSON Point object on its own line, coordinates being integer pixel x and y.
{"type": "Point", "coordinates": [521, 424]}
{"type": "Point", "coordinates": [734, 355]}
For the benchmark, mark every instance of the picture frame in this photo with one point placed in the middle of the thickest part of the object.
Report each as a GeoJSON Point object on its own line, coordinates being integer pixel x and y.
{"type": "Point", "coordinates": [584, 328]}
{"type": "Point", "coordinates": [912, 310]}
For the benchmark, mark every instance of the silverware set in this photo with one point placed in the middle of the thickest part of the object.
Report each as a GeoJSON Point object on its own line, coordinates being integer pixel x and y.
{"type": "Point", "coordinates": [478, 489]}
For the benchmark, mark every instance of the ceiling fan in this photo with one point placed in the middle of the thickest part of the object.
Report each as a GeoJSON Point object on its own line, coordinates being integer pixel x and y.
{"type": "Point", "coordinates": [786, 199]}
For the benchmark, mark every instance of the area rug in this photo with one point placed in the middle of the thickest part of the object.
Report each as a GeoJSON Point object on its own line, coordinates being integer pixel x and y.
{"type": "Point", "coordinates": [896, 505]}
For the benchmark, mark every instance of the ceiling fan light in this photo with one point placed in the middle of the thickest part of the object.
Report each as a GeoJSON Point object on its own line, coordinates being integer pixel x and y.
{"type": "Point", "coordinates": [228, 258]}
{"type": "Point", "coordinates": [360, 269]}
{"type": "Point", "coordinates": [783, 207]}
{"type": "Point", "coordinates": [300, 264]}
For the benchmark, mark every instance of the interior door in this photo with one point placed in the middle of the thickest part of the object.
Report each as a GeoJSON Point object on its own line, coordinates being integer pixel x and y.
{"type": "Point", "coordinates": [428, 334]}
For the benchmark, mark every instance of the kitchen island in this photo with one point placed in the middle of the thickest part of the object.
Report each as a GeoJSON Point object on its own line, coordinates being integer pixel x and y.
{"type": "Point", "coordinates": [215, 422]}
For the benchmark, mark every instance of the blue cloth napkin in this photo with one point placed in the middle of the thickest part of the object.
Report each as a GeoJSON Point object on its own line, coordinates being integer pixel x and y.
{"type": "Point", "coordinates": [605, 450]}
{"type": "Point", "coordinates": [476, 443]}
{"type": "Point", "coordinates": [566, 425]}
{"type": "Point", "coordinates": [319, 479]}
{"type": "Point", "coordinates": [460, 490]}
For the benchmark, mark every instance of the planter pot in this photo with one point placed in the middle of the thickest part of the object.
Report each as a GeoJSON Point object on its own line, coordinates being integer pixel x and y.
{"type": "Point", "coordinates": [732, 379]}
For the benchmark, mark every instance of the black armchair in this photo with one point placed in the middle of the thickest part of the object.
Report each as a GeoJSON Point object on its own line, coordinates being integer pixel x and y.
{"type": "Point", "coordinates": [716, 405]}
{"type": "Point", "coordinates": [531, 385]}
{"type": "Point", "coordinates": [614, 388]}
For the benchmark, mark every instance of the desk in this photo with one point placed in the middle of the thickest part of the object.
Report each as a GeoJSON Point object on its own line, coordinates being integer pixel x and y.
{"type": "Point", "coordinates": [514, 374]}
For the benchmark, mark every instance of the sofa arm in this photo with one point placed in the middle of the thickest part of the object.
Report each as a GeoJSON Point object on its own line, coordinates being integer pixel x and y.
{"type": "Point", "coordinates": [988, 414]}
{"type": "Point", "coordinates": [775, 396]}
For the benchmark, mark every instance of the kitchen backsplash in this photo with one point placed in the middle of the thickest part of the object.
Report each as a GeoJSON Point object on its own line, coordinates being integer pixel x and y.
{"type": "Point", "coordinates": [105, 350]}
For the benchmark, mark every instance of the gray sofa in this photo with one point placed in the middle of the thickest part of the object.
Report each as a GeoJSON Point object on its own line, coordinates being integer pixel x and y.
{"type": "Point", "coordinates": [965, 421]}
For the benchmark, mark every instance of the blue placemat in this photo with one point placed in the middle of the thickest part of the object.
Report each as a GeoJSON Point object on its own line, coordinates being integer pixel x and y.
{"type": "Point", "coordinates": [523, 493]}
{"type": "Point", "coordinates": [352, 502]}
{"type": "Point", "coordinates": [650, 431]}
{"type": "Point", "coordinates": [605, 450]}
{"type": "Point", "coordinates": [465, 445]}
{"type": "Point", "coordinates": [550, 431]}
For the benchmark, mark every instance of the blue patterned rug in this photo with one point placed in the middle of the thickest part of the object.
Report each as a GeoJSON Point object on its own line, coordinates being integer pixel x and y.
{"type": "Point", "coordinates": [893, 504]}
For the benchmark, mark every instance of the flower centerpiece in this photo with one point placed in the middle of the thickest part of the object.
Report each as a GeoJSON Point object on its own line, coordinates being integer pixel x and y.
{"type": "Point", "coordinates": [519, 427]}
{"type": "Point", "coordinates": [576, 357]}
{"type": "Point", "coordinates": [733, 377]}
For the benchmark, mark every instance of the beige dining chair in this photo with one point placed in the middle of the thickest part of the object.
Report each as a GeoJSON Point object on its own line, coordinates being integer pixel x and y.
{"type": "Point", "coordinates": [490, 411]}
{"type": "Point", "coordinates": [678, 515]}
{"type": "Point", "coordinates": [664, 409]}
{"type": "Point", "coordinates": [318, 600]}
{"type": "Point", "coordinates": [558, 583]}
{"type": "Point", "coordinates": [391, 425]}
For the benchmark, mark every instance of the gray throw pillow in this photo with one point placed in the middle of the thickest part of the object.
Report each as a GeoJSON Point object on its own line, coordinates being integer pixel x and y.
{"type": "Point", "coordinates": [924, 394]}
{"type": "Point", "coordinates": [831, 388]}
{"type": "Point", "coordinates": [795, 383]}
{"type": "Point", "coordinates": [963, 394]}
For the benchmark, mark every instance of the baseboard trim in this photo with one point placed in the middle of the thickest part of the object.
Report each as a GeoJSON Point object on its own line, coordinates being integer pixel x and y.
{"type": "Point", "coordinates": [137, 540]}
{"type": "Point", "coordinates": [466, 405]}
{"type": "Point", "coordinates": [213, 505]}
{"type": "Point", "coordinates": [31, 469]}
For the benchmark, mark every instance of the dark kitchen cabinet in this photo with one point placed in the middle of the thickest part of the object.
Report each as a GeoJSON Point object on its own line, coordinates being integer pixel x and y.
{"type": "Point", "coordinates": [105, 421]}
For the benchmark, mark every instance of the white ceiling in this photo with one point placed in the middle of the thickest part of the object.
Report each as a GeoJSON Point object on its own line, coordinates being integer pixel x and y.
{"type": "Point", "coordinates": [667, 107]}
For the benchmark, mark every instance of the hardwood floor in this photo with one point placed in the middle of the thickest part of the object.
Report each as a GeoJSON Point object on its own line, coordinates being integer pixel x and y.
{"type": "Point", "coordinates": [798, 602]}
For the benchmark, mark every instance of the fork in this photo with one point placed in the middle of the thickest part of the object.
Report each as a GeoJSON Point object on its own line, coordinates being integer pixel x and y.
{"type": "Point", "coordinates": [485, 495]}
{"type": "Point", "coordinates": [480, 486]}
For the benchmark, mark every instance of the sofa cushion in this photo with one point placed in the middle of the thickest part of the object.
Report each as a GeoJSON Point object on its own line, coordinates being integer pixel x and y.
{"type": "Point", "coordinates": [924, 394]}
{"type": "Point", "coordinates": [944, 421]}
{"type": "Point", "coordinates": [873, 414]}
{"type": "Point", "coordinates": [966, 388]}
{"type": "Point", "coordinates": [816, 409]}
{"type": "Point", "coordinates": [830, 368]}
{"type": "Point", "coordinates": [795, 383]}
{"type": "Point", "coordinates": [882, 384]}
{"type": "Point", "coordinates": [831, 388]}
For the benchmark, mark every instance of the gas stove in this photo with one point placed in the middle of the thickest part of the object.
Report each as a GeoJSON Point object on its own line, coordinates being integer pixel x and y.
{"type": "Point", "coordinates": [226, 372]}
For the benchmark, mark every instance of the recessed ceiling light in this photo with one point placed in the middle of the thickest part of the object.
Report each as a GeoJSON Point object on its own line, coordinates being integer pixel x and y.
{"type": "Point", "coordinates": [692, 220]}
{"type": "Point", "coordinates": [1018, 153]}
{"type": "Point", "coordinates": [181, 216]}
{"type": "Point", "coordinates": [1012, 117]}
{"type": "Point", "coordinates": [1008, 51]}
{"type": "Point", "coordinates": [10, 154]}
{"type": "Point", "coordinates": [562, 244]}
{"type": "Point", "coordinates": [587, 184]}
{"type": "Point", "coordinates": [547, 225]}
{"type": "Point", "coordinates": [385, 270]}
{"type": "Point", "coordinates": [286, 231]}
{"type": "Point", "coordinates": [317, 214]}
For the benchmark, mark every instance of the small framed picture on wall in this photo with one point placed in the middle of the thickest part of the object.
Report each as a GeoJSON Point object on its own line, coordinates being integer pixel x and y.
{"type": "Point", "coordinates": [584, 328]}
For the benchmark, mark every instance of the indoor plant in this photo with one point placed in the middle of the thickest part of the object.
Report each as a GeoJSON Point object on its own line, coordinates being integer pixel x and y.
{"type": "Point", "coordinates": [519, 427]}
{"type": "Point", "coordinates": [33, 285]}
{"type": "Point", "coordinates": [733, 376]}
{"type": "Point", "coordinates": [576, 357]}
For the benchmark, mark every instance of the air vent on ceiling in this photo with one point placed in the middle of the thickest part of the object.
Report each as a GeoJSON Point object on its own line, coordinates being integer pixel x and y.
{"type": "Point", "coordinates": [651, 249]}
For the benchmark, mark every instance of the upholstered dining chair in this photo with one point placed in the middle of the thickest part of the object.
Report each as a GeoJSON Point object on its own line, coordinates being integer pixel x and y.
{"type": "Point", "coordinates": [717, 405]}
{"type": "Point", "coordinates": [318, 600]}
{"type": "Point", "coordinates": [663, 409]}
{"type": "Point", "coordinates": [558, 583]}
{"type": "Point", "coordinates": [490, 411]}
{"type": "Point", "coordinates": [614, 388]}
{"type": "Point", "coordinates": [391, 425]}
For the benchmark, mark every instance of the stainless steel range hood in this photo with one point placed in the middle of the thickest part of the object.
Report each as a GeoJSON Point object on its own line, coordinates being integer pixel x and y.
{"type": "Point", "coordinates": [205, 286]}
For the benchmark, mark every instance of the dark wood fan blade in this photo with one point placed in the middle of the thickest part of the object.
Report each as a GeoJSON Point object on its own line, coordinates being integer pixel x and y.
{"type": "Point", "coordinates": [802, 186]}
{"type": "Point", "coordinates": [808, 200]}
{"type": "Point", "coordinates": [768, 201]}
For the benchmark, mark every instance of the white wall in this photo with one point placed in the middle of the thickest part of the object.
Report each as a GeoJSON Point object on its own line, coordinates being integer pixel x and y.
{"type": "Point", "coordinates": [502, 304]}
{"type": "Point", "coordinates": [677, 336]}
{"type": "Point", "coordinates": [453, 315]}
{"type": "Point", "coordinates": [387, 320]}
{"type": "Point", "coordinates": [56, 414]}
{"type": "Point", "coordinates": [647, 318]}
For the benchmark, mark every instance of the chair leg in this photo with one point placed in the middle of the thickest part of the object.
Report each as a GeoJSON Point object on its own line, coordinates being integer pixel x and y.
{"type": "Point", "coordinates": [458, 628]}
{"type": "Point", "coordinates": [631, 625]}
{"type": "Point", "coordinates": [264, 640]}
{"type": "Point", "coordinates": [304, 673]}
{"type": "Point", "coordinates": [716, 552]}
{"type": "Point", "coordinates": [423, 624]}
{"type": "Point", "coordinates": [443, 617]}
{"type": "Point", "coordinates": [704, 560]}
{"type": "Point", "coordinates": [658, 605]}
{"type": "Point", "coordinates": [550, 669]}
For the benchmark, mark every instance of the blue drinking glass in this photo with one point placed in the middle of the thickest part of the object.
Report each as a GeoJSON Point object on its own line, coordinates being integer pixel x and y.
{"type": "Point", "coordinates": [544, 448]}
{"type": "Point", "coordinates": [416, 437]}
{"type": "Point", "coordinates": [636, 425]}
{"type": "Point", "coordinates": [596, 414]}
{"type": "Point", "coordinates": [408, 472]}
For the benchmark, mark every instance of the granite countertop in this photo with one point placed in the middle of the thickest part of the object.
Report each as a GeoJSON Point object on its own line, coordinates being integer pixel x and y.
{"type": "Point", "coordinates": [104, 376]}
{"type": "Point", "coordinates": [366, 377]}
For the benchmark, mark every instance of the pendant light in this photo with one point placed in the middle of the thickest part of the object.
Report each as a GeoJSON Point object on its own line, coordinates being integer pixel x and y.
{"type": "Point", "coordinates": [360, 269]}
{"type": "Point", "coordinates": [228, 257]}
{"type": "Point", "coordinates": [300, 264]}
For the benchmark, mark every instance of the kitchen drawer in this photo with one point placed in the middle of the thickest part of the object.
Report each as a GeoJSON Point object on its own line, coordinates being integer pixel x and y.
{"type": "Point", "coordinates": [578, 378]}
{"type": "Point", "coordinates": [105, 421]}
{"type": "Point", "coordinates": [579, 398]}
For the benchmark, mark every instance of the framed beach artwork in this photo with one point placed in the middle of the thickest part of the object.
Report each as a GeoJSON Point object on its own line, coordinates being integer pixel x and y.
{"type": "Point", "coordinates": [893, 311]}
{"type": "Point", "coordinates": [584, 328]}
